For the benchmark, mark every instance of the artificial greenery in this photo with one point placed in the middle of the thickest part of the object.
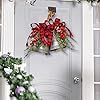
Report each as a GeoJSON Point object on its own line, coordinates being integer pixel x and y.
{"type": "Point", "coordinates": [93, 2]}
{"type": "Point", "coordinates": [20, 83]}
{"type": "Point", "coordinates": [90, 1]}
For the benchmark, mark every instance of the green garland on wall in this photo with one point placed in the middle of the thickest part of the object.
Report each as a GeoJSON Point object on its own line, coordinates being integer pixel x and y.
{"type": "Point", "coordinates": [20, 83]}
{"type": "Point", "coordinates": [93, 2]}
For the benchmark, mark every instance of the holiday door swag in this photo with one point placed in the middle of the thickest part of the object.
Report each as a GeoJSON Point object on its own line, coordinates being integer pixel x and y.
{"type": "Point", "coordinates": [44, 34]}
{"type": "Point", "coordinates": [11, 69]}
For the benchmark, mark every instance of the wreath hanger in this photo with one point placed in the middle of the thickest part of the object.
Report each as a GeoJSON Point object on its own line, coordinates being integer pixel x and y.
{"type": "Point", "coordinates": [51, 12]}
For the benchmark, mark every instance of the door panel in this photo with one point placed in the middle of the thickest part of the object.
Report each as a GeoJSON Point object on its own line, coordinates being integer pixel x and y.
{"type": "Point", "coordinates": [53, 74]}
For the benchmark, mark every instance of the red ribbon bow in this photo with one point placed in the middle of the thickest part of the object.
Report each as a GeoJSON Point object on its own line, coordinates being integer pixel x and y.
{"type": "Point", "coordinates": [44, 32]}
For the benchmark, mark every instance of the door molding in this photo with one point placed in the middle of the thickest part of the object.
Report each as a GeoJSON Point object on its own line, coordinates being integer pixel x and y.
{"type": "Point", "coordinates": [87, 58]}
{"type": "Point", "coordinates": [7, 39]}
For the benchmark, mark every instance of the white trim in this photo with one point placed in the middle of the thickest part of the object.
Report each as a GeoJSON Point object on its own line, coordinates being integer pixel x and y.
{"type": "Point", "coordinates": [88, 60]}
{"type": "Point", "coordinates": [8, 30]}
{"type": "Point", "coordinates": [96, 55]}
{"type": "Point", "coordinates": [7, 39]}
{"type": "Point", "coordinates": [0, 24]}
{"type": "Point", "coordinates": [96, 83]}
{"type": "Point", "coordinates": [96, 29]}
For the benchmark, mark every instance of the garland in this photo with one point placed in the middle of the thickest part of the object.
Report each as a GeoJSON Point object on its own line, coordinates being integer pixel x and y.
{"type": "Point", "coordinates": [93, 2]}
{"type": "Point", "coordinates": [98, 1]}
{"type": "Point", "coordinates": [43, 35]}
{"type": "Point", "coordinates": [20, 83]}
{"type": "Point", "coordinates": [89, 1]}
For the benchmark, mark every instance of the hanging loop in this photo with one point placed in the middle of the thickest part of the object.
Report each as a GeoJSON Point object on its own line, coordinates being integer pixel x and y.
{"type": "Point", "coordinates": [51, 12]}
{"type": "Point", "coordinates": [31, 2]}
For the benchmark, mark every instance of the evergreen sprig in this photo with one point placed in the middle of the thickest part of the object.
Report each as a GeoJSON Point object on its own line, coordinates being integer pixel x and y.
{"type": "Point", "coordinates": [93, 2]}
{"type": "Point", "coordinates": [20, 83]}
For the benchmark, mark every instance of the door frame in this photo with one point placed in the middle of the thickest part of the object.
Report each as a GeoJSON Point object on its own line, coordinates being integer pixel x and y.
{"type": "Point", "coordinates": [87, 53]}
{"type": "Point", "coordinates": [7, 40]}
{"type": "Point", "coordinates": [87, 48]}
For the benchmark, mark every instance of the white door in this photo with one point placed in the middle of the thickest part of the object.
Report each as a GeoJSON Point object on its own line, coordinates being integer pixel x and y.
{"type": "Point", "coordinates": [53, 74]}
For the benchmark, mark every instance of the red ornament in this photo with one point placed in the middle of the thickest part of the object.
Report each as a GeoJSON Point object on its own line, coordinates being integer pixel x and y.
{"type": "Point", "coordinates": [62, 36]}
